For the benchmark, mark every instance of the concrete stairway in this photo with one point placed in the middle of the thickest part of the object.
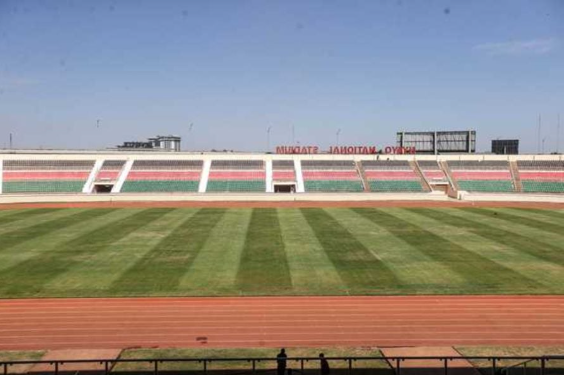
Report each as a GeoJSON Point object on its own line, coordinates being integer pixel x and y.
{"type": "Point", "coordinates": [426, 187]}
{"type": "Point", "coordinates": [447, 171]}
{"type": "Point", "coordinates": [516, 176]}
{"type": "Point", "coordinates": [362, 175]}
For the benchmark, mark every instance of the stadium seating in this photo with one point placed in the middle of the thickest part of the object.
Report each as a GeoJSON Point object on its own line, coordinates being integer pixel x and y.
{"type": "Point", "coordinates": [45, 176]}
{"type": "Point", "coordinates": [432, 171]}
{"type": "Point", "coordinates": [544, 176]}
{"type": "Point", "coordinates": [331, 176]}
{"type": "Point", "coordinates": [283, 171]}
{"type": "Point", "coordinates": [391, 176]}
{"type": "Point", "coordinates": [155, 174]}
{"type": "Point", "coordinates": [110, 170]}
{"type": "Point", "coordinates": [482, 176]}
{"type": "Point", "coordinates": [149, 176]}
{"type": "Point", "coordinates": [237, 176]}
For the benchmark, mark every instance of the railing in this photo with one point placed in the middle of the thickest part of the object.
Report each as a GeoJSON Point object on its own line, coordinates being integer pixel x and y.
{"type": "Point", "coordinates": [394, 362]}
{"type": "Point", "coordinates": [522, 365]}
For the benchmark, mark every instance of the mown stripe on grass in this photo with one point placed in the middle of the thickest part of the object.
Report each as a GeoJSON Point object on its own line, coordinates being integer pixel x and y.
{"type": "Point", "coordinates": [215, 268]}
{"type": "Point", "coordinates": [478, 270]}
{"type": "Point", "coordinates": [29, 277]}
{"type": "Point", "coordinates": [54, 240]}
{"type": "Point", "coordinates": [311, 269]}
{"type": "Point", "coordinates": [521, 243]}
{"type": "Point", "coordinates": [532, 223]}
{"type": "Point", "coordinates": [96, 273]}
{"type": "Point", "coordinates": [535, 214]}
{"type": "Point", "coordinates": [13, 216]}
{"type": "Point", "coordinates": [514, 229]}
{"type": "Point", "coordinates": [555, 214]}
{"type": "Point", "coordinates": [161, 269]}
{"type": "Point", "coordinates": [13, 238]}
{"type": "Point", "coordinates": [415, 270]}
{"type": "Point", "coordinates": [357, 266]}
{"type": "Point", "coordinates": [545, 273]}
{"type": "Point", "coordinates": [263, 264]}
{"type": "Point", "coordinates": [36, 219]}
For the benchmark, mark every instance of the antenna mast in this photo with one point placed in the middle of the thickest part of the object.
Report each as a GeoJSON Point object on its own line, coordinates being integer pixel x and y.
{"type": "Point", "coordinates": [539, 135]}
{"type": "Point", "coordinates": [558, 133]}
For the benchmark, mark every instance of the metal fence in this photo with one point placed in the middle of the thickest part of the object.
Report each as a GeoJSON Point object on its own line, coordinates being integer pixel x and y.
{"type": "Point", "coordinates": [297, 364]}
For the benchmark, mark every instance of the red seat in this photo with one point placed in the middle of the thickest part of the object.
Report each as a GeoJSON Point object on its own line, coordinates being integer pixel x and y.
{"type": "Point", "coordinates": [45, 175]}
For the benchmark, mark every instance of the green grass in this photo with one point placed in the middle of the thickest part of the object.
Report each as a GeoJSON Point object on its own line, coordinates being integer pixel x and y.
{"type": "Point", "coordinates": [311, 367]}
{"type": "Point", "coordinates": [361, 367]}
{"type": "Point", "coordinates": [263, 254]}
{"type": "Point", "coordinates": [311, 251]}
{"type": "Point", "coordinates": [532, 367]}
{"type": "Point", "coordinates": [167, 261]}
{"type": "Point", "coordinates": [13, 355]}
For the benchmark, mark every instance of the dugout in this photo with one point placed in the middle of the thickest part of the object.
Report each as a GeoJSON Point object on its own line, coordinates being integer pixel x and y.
{"type": "Point", "coordinates": [103, 188]}
{"type": "Point", "coordinates": [284, 188]}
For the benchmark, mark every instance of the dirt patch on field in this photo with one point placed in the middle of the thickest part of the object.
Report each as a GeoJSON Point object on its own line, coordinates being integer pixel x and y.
{"type": "Point", "coordinates": [430, 367]}
{"type": "Point", "coordinates": [285, 204]}
{"type": "Point", "coordinates": [76, 354]}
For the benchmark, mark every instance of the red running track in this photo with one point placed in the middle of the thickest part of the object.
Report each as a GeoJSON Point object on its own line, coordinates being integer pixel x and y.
{"type": "Point", "coordinates": [281, 321]}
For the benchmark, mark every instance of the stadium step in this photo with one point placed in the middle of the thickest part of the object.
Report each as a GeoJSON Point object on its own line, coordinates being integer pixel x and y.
{"type": "Point", "coordinates": [418, 172]}
{"type": "Point", "coordinates": [516, 176]}
{"type": "Point", "coordinates": [362, 175]}
{"type": "Point", "coordinates": [449, 175]}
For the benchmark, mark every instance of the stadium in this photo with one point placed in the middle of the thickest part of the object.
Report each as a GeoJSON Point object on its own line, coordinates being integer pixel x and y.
{"type": "Point", "coordinates": [383, 261]}
{"type": "Point", "coordinates": [282, 187]}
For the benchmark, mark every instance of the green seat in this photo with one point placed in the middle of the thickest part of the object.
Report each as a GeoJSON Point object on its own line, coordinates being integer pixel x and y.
{"type": "Point", "coordinates": [235, 186]}
{"type": "Point", "coordinates": [488, 186]}
{"type": "Point", "coordinates": [394, 185]}
{"type": "Point", "coordinates": [531, 186]}
{"type": "Point", "coordinates": [159, 186]}
{"type": "Point", "coordinates": [333, 185]}
{"type": "Point", "coordinates": [39, 186]}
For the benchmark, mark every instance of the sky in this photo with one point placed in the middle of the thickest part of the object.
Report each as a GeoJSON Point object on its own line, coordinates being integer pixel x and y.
{"type": "Point", "coordinates": [234, 68]}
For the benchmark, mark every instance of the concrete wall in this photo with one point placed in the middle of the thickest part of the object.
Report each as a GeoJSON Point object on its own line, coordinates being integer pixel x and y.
{"type": "Point", "coordinates": [233, 197]}
{"type": "Point", "coordinates": [117, 155]}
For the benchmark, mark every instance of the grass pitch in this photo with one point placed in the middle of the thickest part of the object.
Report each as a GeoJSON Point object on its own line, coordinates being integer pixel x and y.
{"type": "Point", "coordinates": [310, 251]}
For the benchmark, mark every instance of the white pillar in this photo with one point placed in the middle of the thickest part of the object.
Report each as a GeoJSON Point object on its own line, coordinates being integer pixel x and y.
{"type": "Point", "coordinates": [299, 176]}
{"type": "Point", "coordinates": [123, 175]}
{"type": "Point", "coordinates": [204, 176]}
{"type": "Point", "coordinates": [435, 143]}
{"type": "Point", "coordinates": [88, 186]}
{"type": "Point", "coordinates": [269, 177]}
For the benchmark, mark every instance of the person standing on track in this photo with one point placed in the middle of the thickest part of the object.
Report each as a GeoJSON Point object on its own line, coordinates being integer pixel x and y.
{"type": "Point", "coordinates": [282, 362]}
{"type": "Point", "coordinates": [325, 369]}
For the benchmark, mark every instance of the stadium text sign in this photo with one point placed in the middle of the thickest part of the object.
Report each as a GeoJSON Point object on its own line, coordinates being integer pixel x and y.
{"type": "Point", "coordinates": [341, 150]}
{"type": "Point", "coordinates": [399, 150]}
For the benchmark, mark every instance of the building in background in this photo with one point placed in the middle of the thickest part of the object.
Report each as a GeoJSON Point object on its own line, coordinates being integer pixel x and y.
{"type": "Point", "coordinates": [506, 146]}
{"type": "Point", "coordinates": [443, 142]}
{"type": "Point", "coordinates": [158, 143]}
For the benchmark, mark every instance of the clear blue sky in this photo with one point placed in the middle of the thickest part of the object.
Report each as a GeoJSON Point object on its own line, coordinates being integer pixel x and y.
{"type": "Point", "coordinates": [233, 68]}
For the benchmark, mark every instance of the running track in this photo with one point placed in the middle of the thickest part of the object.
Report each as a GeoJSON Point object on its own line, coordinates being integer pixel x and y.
{"type": "Point", "coordinates": [281, 321]}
